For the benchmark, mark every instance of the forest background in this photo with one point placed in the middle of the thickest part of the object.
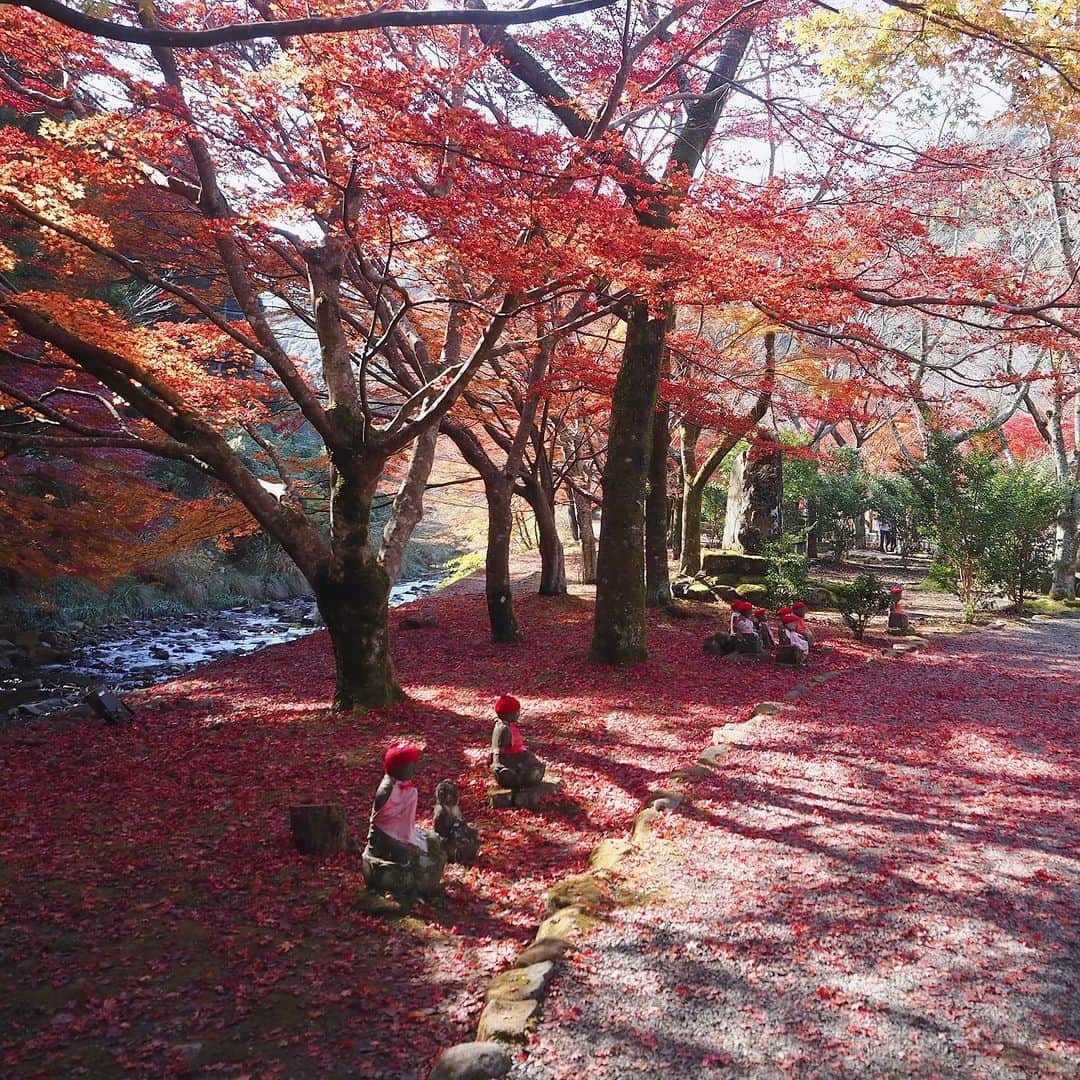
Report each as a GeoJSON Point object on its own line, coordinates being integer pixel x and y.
{"type": "Point", "coordinates": [258, 277]}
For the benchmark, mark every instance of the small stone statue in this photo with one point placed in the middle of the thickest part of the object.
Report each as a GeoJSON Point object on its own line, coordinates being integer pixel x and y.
{"type": "Point", "coordinates": [800, 610]}
{"type": "Point", "coordinates": [761, 621]}
{"type": "Point", "coordinates": [793, 648]}
{"type": "Point", "coordinates": [743, 628]}
{"type": "Point", "coordinates": [400, 858]}
{"type": "Point", "coordinates": [461, 841]}
{"type": "Point", "coordinates": [513, 765]}
{"type": "Point", "coordinates": [898, 620]}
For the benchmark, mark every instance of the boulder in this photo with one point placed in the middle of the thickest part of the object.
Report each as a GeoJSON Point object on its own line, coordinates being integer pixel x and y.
{"type": "Point", "coordinates": [506, 1021]}
{"type": "Point", "coordinates": [521, 983]}
{"type": "Point", "coordinates": [472, 1061]}
{"type": "Point", "coordinates": [733, 565]}
{"type": "Point", "coordinates": [757, 594]}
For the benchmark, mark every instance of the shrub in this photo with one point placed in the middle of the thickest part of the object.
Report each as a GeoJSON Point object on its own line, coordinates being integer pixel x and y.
{"type": "Point", "coordinates": [786, 570]}
{"type": "Point", "coordinates": [860, 600]}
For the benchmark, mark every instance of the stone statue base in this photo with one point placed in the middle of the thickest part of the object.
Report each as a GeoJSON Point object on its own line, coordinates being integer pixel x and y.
{"type": "Point", "coordinates": [527, 798]}
{"type": "Point", "coordinates": [405, 880]}
{"type": "Point", "coordinates": [789, 655]}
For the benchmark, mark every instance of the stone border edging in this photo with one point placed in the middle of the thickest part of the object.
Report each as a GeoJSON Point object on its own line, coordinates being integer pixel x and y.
{"type": "Point", "coordinates": [576, 905]}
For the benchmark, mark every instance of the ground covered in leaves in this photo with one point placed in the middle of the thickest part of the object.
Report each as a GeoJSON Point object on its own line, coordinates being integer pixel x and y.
{"type": "Point", "coordinates": [881, 881]}
{"type": "Point", "coordinates": [157, 921]}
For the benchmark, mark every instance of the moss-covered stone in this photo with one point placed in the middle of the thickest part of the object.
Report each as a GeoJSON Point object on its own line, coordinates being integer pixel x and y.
{"type": "Point", "coordinates": [521, 983]}
{"type": "Point", "coordinates": [607, 854]}
{"type": "Point", "coordinates": [581, 890]}
{"type": "Point", "coordinates": [506, 1021]}
{"type": "Point", "coordinates": [566, 924]}
{"type": "Point", "coordinates": [716, 563]}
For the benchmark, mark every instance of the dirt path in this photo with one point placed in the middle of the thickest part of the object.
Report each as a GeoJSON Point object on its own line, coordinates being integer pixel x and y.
{"type": "Point", "coordinates": [881, 881]}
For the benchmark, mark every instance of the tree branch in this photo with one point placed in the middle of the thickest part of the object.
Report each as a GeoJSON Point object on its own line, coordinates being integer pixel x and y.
{"type": "Point", "coordinates": [163, 37]}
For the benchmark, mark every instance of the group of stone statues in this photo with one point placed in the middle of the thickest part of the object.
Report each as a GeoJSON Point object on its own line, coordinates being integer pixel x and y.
{"type": "Point", "coordinates": [750, 634]}
{"type": "Point", "coordinates": [404, 859]}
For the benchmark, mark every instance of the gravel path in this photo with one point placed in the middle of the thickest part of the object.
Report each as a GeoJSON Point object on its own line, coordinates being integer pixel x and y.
{"type": "Point", "coordinates": [883, 881]}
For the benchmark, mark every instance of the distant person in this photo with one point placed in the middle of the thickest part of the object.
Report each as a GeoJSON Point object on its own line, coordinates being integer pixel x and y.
{"type": "Point", "coordinates": [888, 533]}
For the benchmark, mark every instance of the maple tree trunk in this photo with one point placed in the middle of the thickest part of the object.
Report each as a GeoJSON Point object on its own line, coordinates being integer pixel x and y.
{"type": "Point", "coordinates": [408, 506]}
{"type": "Point", "coordinates": [353, 599]}
{"type": "Point", "coordinates": [657, 579]}
{"type": "Point", "coordinates": [812, 532]}
{"type": "Point", "coordinates": [1063, 580]}
{"type": "Point", "coordinates": [690, 563]}
{"type": "Point", "coordinates": [588, 538]}
{"type": "Point", "coordinates": [552, 555]}
{"type": "Point", "coordinates": [500, 603]}
{"type": "Point", "coordinates": [352, 590]}
{"type": "Point", "coordinates": [571, 511]}
{"type": "Point", "coordinates": [675, 535]}
{"type": "Point", "coordinates": [619, 621]}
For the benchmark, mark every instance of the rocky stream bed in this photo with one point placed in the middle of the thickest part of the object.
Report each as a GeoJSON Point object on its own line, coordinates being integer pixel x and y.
{"type": "Point", "coordinates": [51, 672]}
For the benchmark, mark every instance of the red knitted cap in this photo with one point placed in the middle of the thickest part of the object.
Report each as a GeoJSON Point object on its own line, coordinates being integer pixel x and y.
{"type": "Point", "coordinates": [796, 604]}
{"type": "Point", "coordinates": [507, 705]}
{"type": "Point", "coordinates": [400, 753]}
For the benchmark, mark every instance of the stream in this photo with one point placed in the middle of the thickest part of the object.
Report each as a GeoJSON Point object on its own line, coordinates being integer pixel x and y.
{"type": "Point", "coordinates": [54, 672]}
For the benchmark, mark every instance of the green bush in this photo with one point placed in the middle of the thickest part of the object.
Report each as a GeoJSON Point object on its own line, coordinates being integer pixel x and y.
{"type": "Point", "coordinates": [990, 522]}
{"type": "Point", "coordinates": [786, 569]}
{"type": "Point", "coordinates": [860, 600]}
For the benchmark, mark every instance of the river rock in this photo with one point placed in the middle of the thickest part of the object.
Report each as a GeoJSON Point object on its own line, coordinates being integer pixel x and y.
{"type": "Point", "coordinates": [472, 1061]}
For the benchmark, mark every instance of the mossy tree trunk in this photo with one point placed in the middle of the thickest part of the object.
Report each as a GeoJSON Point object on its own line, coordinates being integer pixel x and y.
{"type": "Point", "coordinates": [500, 603]}
{"type": "Point", "coordinates": [552, 556]}
{"type": "Point", "coordinates": [657, 578]}
{"type": "Point", "coordinates": [619, 623]}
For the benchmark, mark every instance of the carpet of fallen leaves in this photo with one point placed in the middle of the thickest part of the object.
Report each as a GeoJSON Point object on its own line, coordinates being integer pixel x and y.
{"type": "Point", "coordinates": [882, 881]}
{"type": "Point", "coordinates": [157, 921]}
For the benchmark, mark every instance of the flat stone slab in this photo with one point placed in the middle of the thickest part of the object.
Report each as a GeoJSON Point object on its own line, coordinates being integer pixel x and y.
{"type": "Point", "coordinates": [566, 924]}
{"type": "Point", "coordinates": [713, 755]}
{"type": "Point", "coordinates": [580, 890]}
{"type": "Point", "coordinates": [506, 1021]}
{"type": "Point", "coordinates": [770, 708]}
{"type": "Point", "coordinates": [552, 949]}
{"type": "Point", "coordinates": [607, 853]}
{"type": "Point", "coordinates": [733, 733]}
{"type": "Point", "coordinates": [521, 983]}
{"type": "Point", "coordinates": [472, 1061]}
{"type": "Point", "coordinates": [528, 798]}
{"type": "Point", "coordinates": [693, 772]}
{"type": "Point", "coordinates": [665, 804]}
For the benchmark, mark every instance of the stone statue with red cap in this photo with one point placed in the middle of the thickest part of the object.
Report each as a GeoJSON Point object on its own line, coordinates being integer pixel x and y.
{"type": "Point", "coordinates": [761, 621]}
{"type": "Point", "coordinates": [514, 766]}
{"type": "Point", "coordinates": [898, 620]}
{"type": "Point", "coordinates": [399, 857]}
{"type": "Point", "coordinates": [744, 629]}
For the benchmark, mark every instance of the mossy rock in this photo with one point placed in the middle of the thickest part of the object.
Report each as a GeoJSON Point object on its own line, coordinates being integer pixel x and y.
{"type": "Point", "coordinates": [581, 890]}
{"type": "Point", "coordinates": [697, 590]}
{"type": "Point", "coordinates": [756, 594]}
{"type": "Point", "coordinates": [717, 563]}
{"type": "Point", "coordinates": [734, 580]}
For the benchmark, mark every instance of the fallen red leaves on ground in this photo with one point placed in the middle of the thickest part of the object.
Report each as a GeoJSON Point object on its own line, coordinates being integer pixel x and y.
{"type": "Point", "coordinates": [156, 918]}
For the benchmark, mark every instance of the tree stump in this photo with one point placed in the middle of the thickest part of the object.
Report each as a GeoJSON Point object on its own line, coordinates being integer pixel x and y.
{"type": "Point", "coordinates": [318, 828]}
